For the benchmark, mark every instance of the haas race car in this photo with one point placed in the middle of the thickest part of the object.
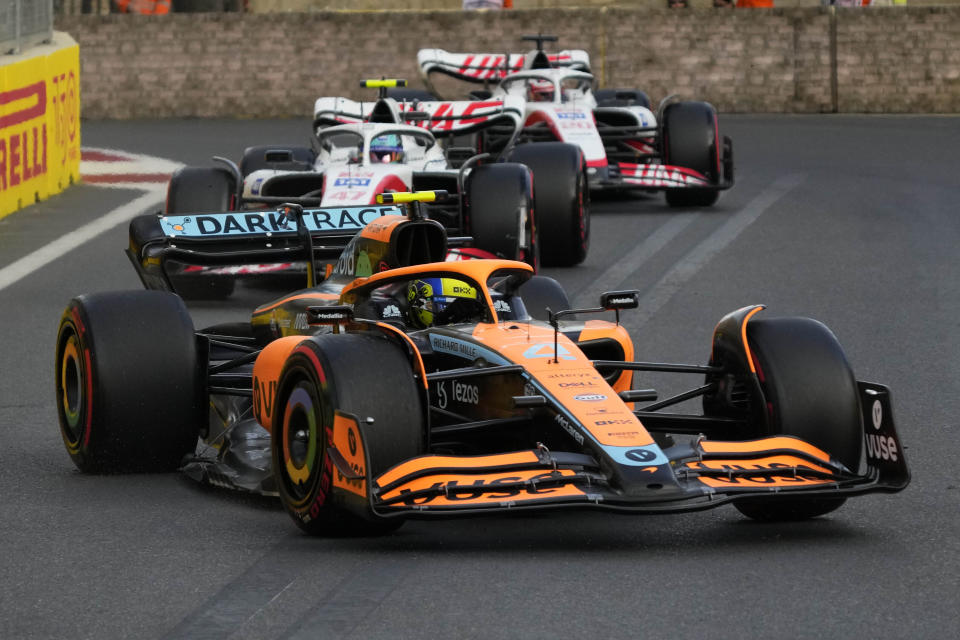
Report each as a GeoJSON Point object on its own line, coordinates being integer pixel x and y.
{"type": "Point", "coordinates": [361, 150]}
{"type": "Point", "coordinates": [432, 389]}
{"type": "Point", "coordinates": [679, 150]}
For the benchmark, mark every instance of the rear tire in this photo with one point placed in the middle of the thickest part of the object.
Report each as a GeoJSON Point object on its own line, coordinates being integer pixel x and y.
{"type": "Point", "coordinates": [690, 139]}
{"type": "Point", "coordinates": [500, 214]}
{"type": "Point", "coordinates": [389, 402]}
{"type": "Point", "coordinates": [561, 200]}
{"type": "Point", "coordinates": [129, 383]}
{"type": "Point", "coordinates": [810, 393]}
{"type": "Point", "coordinates": [201, 190]}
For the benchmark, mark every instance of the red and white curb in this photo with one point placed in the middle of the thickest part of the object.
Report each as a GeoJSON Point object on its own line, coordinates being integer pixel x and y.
{"type": "Point", "coordinates": [124, 170]}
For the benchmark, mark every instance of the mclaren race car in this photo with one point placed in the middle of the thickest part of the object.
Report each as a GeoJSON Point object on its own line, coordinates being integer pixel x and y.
{"type": "Point", "coordinates": [426, 389]}
{"type": "Point", "coordinates": [679, 150]}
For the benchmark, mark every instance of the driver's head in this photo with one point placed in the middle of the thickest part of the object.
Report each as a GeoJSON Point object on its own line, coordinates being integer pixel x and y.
{"type": "Point", "coordinates": [428, 298]}
{"type": "Point", "coordinates": [540, 91]}
{"type": "Point", "coordinates": [386, 148]}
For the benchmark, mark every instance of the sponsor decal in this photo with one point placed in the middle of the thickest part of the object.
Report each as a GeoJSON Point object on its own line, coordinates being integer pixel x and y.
{"type": "Point", "coordinates": [571, 115]}
{"type": "Point", "coordinates": [569, 428]}
{"type": "Point", "coordinates": [658, 175]}
{"type": "Point", "coordinates": [263, 397]}
{"type": "Point", "coordinates": [391, 311]}
{"type": "Point", "coordinates": [571, 374]}
{"type": "Point", "coordinates": [793, 474]}
{"type": "Point", "coordinates": [545, 350]}
{"type": "Point", "coordinates": [455, 491]}
{"type": "Point", "coordinates": [461, 392]}
{"type": "Point", "coordinates": [621, 301]}
{"type": "Point", "coordinates": [464, 349]}
{"type": "Point", "coordinates": [329, 315]}
{"type": "Point", "coordinates": [352, 183]}
{"type": "Point", "coordinates": [877, 413]}
{"type": "Point", "coordinates": [23, 153]}
{"type": "Point", "coordinates": [300, 322]}
{"type": "Point", "coordinates": [590, 397]}
{"type": "Point", "coordinates": [265, 223]}
{"type": "Point", "coordinates": [881, 447]}
{"type": "Point", "coordinates": [581, 383]}
{"type": "Point", "coordinates": [641, 455]}
{"type": "Point", "coordinates": [352, 441]}
{"type": "Point", "coordinates": [637, 456]}
{"type": "Point", "coordinates": [501, 306]}
{"type": "Point", "coordinates": [613, 422]}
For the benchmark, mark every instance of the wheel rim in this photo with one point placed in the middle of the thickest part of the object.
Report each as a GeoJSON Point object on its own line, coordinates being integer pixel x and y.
{"type": "Point", "coordinates": [70, 389]}
{"type": "Point", "coordinates": [300, 432]}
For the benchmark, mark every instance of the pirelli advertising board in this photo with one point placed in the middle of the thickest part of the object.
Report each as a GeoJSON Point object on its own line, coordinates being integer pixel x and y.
{"type": "Point", "coordinates": [39, 122]}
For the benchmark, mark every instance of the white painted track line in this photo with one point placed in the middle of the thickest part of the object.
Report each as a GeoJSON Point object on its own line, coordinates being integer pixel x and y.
{"type": "Point", "coordinates": [43, 256]}
{"type": "Point", "coordinates": [707, 250]}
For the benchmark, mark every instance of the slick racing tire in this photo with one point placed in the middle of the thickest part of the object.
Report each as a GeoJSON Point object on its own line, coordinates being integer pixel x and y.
{"type": "Point", "coordinates": [201, 190]}
{"type": "Point", "coordinates": [621, 98]}
{"type": "Point", "coordinates": [256, 158]}
{"type": "Point", "coordinates": [690, 139]}
{"type": "Point", "coordinates": [500, 213]}
{"type": "Point", "coordinates": [540, 293]}
{"type": "Point", "coordinates": [368, 376]}
{"type": "Point", "coordinates": [129, 382]}
{"type": "Point", "coordinates": [561, 200]}
{"type": "Point", "coordinates": [811, 393]}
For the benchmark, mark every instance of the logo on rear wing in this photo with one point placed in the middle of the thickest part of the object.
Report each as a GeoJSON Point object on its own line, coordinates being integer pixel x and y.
{"type": "Point", "coordinates": [260, 223]}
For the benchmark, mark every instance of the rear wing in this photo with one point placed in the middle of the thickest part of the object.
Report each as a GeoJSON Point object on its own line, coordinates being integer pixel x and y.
{"type": "Point", "coordinates": [243, 238]}
{"type": "Point", "coordinates": [483, 68]}
{"type": "Point", "coordinates": [439, 117]}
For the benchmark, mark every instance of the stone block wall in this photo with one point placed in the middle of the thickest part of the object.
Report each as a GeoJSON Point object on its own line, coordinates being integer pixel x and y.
{"type": "Point", "coordinates": [892, 60]}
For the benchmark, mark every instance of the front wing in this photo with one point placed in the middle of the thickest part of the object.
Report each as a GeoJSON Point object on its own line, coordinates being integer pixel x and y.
{"type": "Point", "coordinates": [697, 475]}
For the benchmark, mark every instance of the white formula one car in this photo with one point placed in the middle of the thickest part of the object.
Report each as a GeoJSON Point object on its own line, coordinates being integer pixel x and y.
{"type": "Point", "coordinates": [679, 150]}
{"type": "Point", "coordinates": [360, 150]}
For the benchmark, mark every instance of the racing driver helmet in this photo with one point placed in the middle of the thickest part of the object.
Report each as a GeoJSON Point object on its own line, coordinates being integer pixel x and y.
{"type": "Point", "coordinates": [386, 148]}
{"type": "Point", "coordinates": [429, 300]}
{"type": "Point", "coordinates": [539, 91]}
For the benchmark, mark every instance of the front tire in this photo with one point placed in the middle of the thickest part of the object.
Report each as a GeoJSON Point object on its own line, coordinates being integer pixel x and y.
{"type": "Point", "coordinates": [129, 383]}
{"type": "Point", "coordinates": [334, 372]}
{"type": "Point", "coordinates": [811, 393]}
{"type": "Point", "coordinates": [690, 139]}
{"type": "Point", "coordinates": [561, 199]}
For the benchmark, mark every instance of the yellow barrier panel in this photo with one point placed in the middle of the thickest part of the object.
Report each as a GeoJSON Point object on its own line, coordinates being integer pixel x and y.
{"type": "Point", "coordinates": [39, 123]}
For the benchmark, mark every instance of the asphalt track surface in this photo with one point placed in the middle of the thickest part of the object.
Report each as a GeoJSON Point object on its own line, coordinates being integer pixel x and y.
{"type": "Point", "coordinates": [851, 220]}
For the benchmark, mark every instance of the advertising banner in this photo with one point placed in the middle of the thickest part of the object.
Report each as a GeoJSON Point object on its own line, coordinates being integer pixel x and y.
{"type": "Point", "coordinates": [39, 123]}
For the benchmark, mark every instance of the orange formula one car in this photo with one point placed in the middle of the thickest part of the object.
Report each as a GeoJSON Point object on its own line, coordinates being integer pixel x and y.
{"type": "Point", "coordinates": [426, 389]}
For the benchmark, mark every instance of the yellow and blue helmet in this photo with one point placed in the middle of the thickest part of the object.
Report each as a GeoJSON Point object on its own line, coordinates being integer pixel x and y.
{"type": "Point", "coordinates": [428, 298]}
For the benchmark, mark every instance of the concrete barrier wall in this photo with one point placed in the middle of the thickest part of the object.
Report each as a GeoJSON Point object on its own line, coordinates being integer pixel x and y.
{"type": "Point", "coordinates": [892, 60]}
{"type": "Point", "coordinates": [39, 123]}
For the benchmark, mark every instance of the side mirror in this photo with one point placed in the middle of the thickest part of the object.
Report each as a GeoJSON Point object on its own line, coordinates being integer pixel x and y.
{"type": "Point", "coordinates": [276, 156]}
{"type": "Point", "coordinates": [616, 300]}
